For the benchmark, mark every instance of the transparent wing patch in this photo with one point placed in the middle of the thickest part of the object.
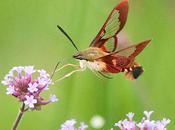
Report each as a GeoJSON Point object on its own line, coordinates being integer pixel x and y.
{"type": "Point", "coordinates": [112, 26]}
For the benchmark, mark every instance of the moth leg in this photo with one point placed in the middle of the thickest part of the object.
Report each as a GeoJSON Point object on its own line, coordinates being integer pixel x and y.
{"type": "Point", "coordinates": [64, 66]}
{"type": "Point", "coordinates": [69, 74]}
{"type": "Point", "coordinates": [95, 73]}
{"type": "Point", "coordinates": [105, 76]}
{"type": "Point", "coordinates": [67, 65]}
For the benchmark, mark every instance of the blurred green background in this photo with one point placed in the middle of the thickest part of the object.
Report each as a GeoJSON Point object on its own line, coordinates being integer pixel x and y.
{"type": "Point", "coordinates": [29, 36]}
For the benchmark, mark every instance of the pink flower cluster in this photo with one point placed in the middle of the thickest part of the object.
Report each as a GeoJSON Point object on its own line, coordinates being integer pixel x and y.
{"type": "Point", "coordinates": [26, 83]}
{"type": "Point", "coordinates": [126, 124]}
{"type": "Point", "coordinates": [145, 124]}
{"type": "Point", "coordinates": [70, 125]}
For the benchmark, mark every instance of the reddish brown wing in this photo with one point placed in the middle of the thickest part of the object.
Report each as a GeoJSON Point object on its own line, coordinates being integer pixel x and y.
{"type": "Point", "coordinates": [117, 61]}
{"type": "Point", "coordinates": [106, 39]}
{"type": "Point", "coordinates": [114, 64]}
{"type": "Point", "coordinates": [132, 51]}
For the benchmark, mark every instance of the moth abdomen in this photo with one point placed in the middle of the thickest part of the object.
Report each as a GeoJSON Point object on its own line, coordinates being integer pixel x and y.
{"type": "Point", "coordinates": [134, 73]}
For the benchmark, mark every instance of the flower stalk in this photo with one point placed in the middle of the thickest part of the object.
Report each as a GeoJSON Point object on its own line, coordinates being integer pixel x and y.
{"type": "Point", "coordinates": [19, 117]}
{"type": "Point", "coordinates": [26, 84]}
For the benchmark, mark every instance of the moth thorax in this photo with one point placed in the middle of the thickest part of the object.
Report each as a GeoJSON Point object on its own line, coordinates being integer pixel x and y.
{"type": "Point", "coordinates": [93, 53]}
{"type": "Point", "coordinates": [91, 65]}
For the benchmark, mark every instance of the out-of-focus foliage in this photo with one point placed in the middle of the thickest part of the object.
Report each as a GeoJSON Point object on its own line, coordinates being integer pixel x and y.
{"type": "Point", "coordinates": [29, 36]}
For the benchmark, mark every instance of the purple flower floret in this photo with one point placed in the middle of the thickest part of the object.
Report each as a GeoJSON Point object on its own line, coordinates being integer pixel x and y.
{"type": "Point", "coordinates": [26, 83]}
{"type": "Point", "coordinates": [53, 98]}
{"type": "Point", "coordinates": [127, 124]}
{"type": "Point", "coordinates": [30, 101]}
{"type": "Point", "coordinates": [70, 125]}
{"type": "Point", "coordinates": [145, 124]}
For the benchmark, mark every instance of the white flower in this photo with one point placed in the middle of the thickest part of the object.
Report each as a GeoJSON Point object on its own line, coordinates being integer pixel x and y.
{"type": "Point", "coordinates": [149, 124]}
{"type": "Point", "coordinates": [43, 81]}
{"type": "Point", "coordinates": [30, 101]}
{"type": "Point", "coordinates": [43, 73]}
{"type": "Point", "coordinates": [97, 122]}
{"type": "Point", "coordinates": [141, 125]}
{"type": "Point", "coordinates": [27, 88]}
{"type": "Point", "coordinates": [129, 125]}
{"type": "Point", "coordinates": [68, 125]}
{"type": "Point", "coordinates": [53, 98]}
{"type": "Point", "coordinates": [130, 115]}
{"type": "Point", "coordinates": [19, 69]}
{"type": "Point", "coordinates": [165, 121]}
{"type": "Point", "coordinates": [145, 124]}
{"type": "Point", "coordinates": [148, 114]}
{"type": "Point", "coordinates": [83, 126]}
{"type": "Point", "coordinates": [33, 87]}
{"type": "Point", "coordinates": [119, 124]}
{"type": "Point", "coordinates": [10, 90]}
{"type": "Point", "coordinates": [29, 70]}
{"type": "Point", "coordinates": [10, 74]}
{"type": "Point", "coordinates": [6, 81]}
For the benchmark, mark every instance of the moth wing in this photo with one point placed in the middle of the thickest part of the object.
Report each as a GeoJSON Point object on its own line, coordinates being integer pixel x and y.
{"type": "Point", "coordinates": [113, 25]}
{"type": "Point", "coordinates": [117, 61]}
{"type": "Point", "coordinates": [114, 64]}
{"type": "Point", "coordinates": [123, 41]}
{"type": "Point", "coordinates": [132, 51]}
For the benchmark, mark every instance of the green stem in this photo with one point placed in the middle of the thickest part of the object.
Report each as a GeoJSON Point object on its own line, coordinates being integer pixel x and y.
{"type": "Point", "coordinates": [19, 117]}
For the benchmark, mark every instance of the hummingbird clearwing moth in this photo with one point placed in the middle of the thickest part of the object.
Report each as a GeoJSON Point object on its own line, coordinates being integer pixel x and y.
{"type": "Point", "coordinates": [103, 54]}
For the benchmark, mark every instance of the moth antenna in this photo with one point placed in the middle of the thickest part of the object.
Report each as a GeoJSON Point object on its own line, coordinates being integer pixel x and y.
{"type": "Point", "coordinates": [55, 69]}
{"type": "Point", "coordinates": [62, 30]}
